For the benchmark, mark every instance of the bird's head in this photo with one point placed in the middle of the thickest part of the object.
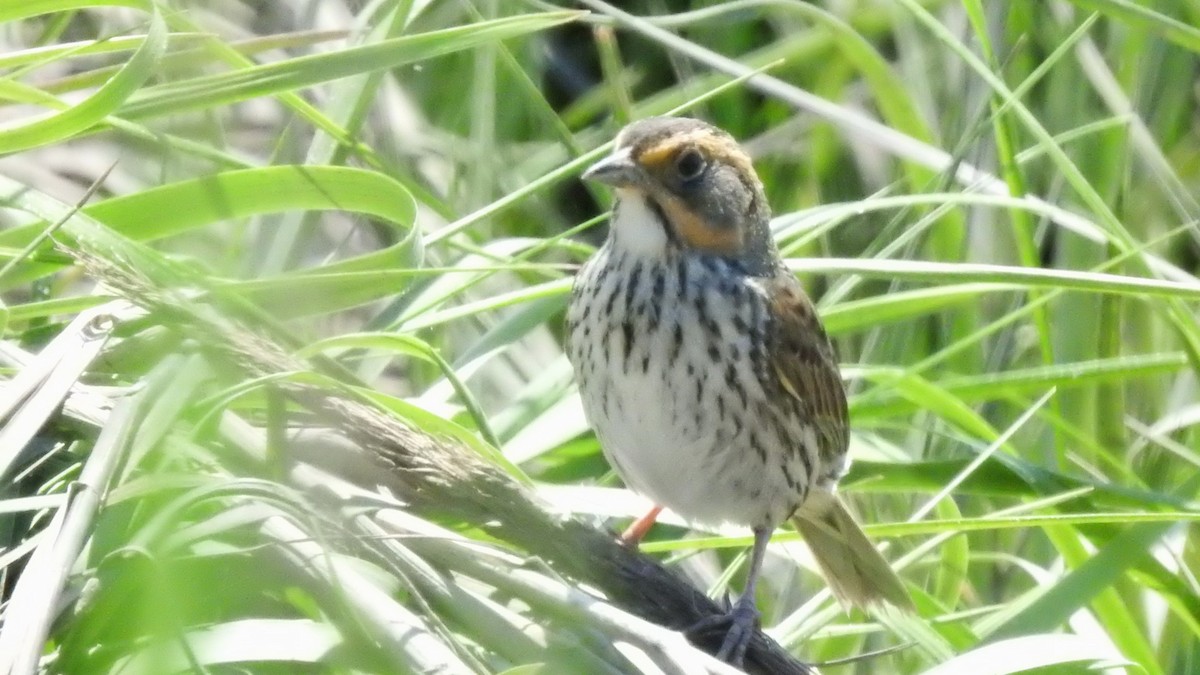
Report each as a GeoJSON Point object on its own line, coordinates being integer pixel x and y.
{"type": "Point", "coordinates": [698, 186]}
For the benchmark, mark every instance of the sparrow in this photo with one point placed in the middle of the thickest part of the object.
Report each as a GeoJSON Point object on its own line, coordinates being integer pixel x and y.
{"type": "Point", "coordinates": [703, 367]}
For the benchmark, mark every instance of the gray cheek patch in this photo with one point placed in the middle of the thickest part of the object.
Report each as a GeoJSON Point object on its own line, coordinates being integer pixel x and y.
{"type": "Point", "coordinates": [720, 197]}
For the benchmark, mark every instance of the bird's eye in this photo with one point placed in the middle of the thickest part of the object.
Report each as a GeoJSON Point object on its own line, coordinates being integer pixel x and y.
{"type": "Point", "coordinates": [689, 164]}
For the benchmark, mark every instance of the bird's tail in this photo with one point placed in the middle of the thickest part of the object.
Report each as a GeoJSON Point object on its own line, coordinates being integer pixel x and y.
{"type": "Point", "coordinates": [856, 572]}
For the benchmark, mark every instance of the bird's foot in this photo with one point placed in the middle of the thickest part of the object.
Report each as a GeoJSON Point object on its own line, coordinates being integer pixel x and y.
{"type": "Point", "coordinates": [741, 622]}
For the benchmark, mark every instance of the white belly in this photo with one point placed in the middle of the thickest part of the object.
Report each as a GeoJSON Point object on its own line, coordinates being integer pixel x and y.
{"type": "Point", "coordinates": [664, 414]}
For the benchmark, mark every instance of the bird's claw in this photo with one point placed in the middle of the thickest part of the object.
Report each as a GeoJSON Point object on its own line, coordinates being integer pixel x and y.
{"type": "Point", "coordinates": [742, 620]}
{"type": "Point", "coordinates": [727, 602]}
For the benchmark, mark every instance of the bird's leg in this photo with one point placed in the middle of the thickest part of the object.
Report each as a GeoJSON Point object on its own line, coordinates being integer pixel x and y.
{"type": "Point", "coordinates": [633, 535]}
{"type": "Point", "coordinates": [743, 618]}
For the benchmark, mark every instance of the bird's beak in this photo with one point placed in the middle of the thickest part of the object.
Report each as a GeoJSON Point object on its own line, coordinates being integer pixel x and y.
{"type": "Point", "coordinates": [617, 170]}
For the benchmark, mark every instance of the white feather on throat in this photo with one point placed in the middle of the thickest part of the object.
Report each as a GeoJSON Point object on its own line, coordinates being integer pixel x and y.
{"type": "Point", "coordinates": [635, 225]}
{"type": "Point", "coordinates": [658, 416]}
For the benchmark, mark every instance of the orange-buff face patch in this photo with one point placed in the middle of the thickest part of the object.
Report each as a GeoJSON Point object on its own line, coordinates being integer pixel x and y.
{"type": "Point", "coordinates": [697, 232]}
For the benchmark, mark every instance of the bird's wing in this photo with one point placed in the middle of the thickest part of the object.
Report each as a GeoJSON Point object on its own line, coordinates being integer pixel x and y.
{"type": "Point", "coordinates": [804, 362]}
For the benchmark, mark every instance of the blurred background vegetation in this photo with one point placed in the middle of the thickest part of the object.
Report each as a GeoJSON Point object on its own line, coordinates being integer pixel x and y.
{"type": "Point", "coordinates": [994, 203]}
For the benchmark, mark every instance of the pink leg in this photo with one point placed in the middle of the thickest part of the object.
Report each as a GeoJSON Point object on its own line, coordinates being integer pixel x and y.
{"type": "Point", "coordinates": [633, 534]}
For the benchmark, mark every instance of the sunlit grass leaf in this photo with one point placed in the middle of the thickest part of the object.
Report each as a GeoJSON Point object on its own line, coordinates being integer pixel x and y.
{"type": "Point", "coordinates": [1027, 653]}
{"type": "Point", "coordinates": [208, 91]}
{"type": "Point", "coordinates": [74, 119]}
{"type": "Point", "coordinates": [154, 214]}
{"type": "Point", "coordinates": [987, 203]}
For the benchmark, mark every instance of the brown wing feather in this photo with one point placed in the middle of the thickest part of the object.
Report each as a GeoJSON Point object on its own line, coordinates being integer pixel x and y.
{"type": "Point", "coordinates": [806, 367]}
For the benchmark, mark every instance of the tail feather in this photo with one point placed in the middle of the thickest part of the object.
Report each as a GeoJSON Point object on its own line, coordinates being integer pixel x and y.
{"type": "Point", "coordinates": [855, 570]}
